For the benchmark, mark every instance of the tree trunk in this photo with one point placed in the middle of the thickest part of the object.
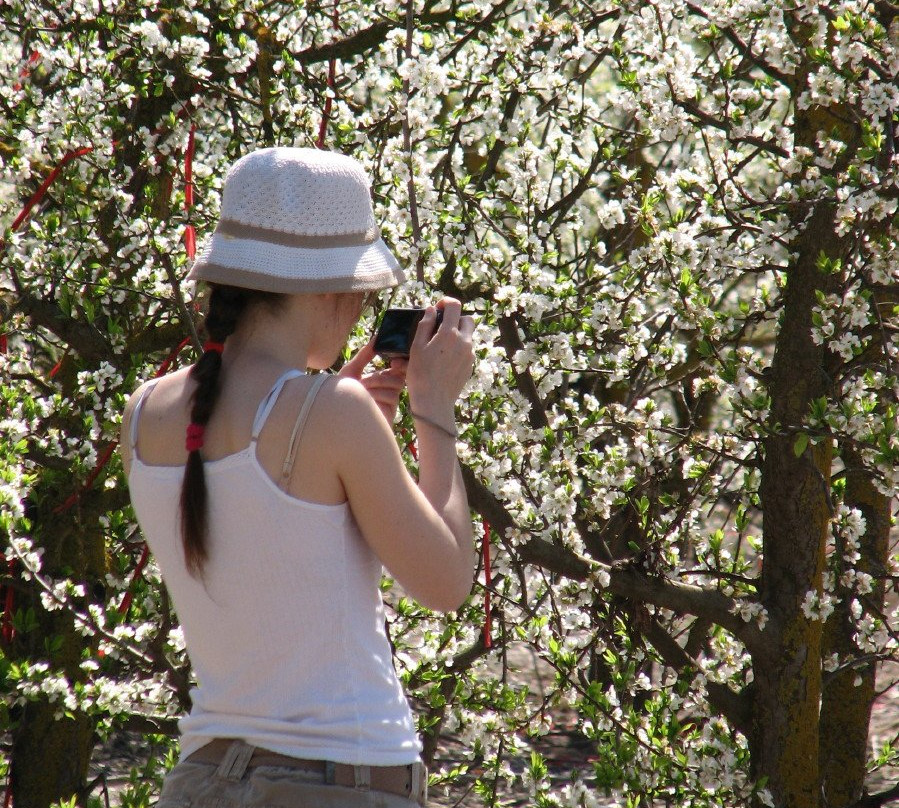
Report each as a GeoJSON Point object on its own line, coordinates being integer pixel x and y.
{"type": "Point", "coordinates": [848, 694]}
{"type": "Point", "coordinates": [50, 756]}
{"type": "Point", "coordinates": [51, 752]}
{"type": "Point", "coordinates": [787, 690]}
{"type": "Point", "coordinates": [795, 497]}
{"type": "Point", "coordinates": [795, 485]}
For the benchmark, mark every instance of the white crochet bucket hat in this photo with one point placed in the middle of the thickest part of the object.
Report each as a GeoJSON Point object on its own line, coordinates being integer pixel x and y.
{"type": "Point", "coordinates": [297, 221]}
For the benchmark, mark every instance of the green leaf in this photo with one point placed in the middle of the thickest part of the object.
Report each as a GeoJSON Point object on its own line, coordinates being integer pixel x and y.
{"type": "Point", "coordinates": [801, 444]}
{"type": "Point", "coordinates": [842, 23]}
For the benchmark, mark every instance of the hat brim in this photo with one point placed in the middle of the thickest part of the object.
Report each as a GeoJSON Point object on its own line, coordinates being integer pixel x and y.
{"type": "Point", "coordinates": [268, 267]}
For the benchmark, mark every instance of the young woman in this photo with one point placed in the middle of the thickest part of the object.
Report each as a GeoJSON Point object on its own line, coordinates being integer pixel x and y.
{"type": "Point", "coordinates": [271, 498]}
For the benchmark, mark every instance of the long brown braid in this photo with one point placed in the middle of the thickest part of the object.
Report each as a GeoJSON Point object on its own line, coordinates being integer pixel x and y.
{"type": "Point", "coordinates": [227, 305]}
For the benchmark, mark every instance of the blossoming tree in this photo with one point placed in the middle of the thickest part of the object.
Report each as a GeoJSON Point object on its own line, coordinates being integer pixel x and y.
{"type": "Point", "coordinates": [676, 224]}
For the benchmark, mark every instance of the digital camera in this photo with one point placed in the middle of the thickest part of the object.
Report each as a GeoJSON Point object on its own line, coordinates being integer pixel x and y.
{"type": "Point", "coordinates": [397, 331]}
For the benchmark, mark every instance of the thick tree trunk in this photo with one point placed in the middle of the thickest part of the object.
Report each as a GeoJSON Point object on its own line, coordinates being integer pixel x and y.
{"type": "Point", "coordinates": [849, 693]}
{"type": "Point", "coordinates": [784, 739]}
{"type": "Point", "coordinates": [796, 511]}
{"type": "Point", "coordinates": [795, 487]}
{"type": "Point", "coordinates": [51, 752]}
{"type": "Point", "coordinates": [50, 756]}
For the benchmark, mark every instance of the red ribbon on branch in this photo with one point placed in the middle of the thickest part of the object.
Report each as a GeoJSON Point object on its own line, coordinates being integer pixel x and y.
{"type": "Point", "coordinates": [74, 154]}
{"type": "Point", "coordinates": [25, 72]}
{"type": "Point", "coordinates": [38, 195]}
{"type": "Point", "coordinates": [135, 576]}
{"type": "Point", "coordinates": [190, 234]}
{"type": "Point", "coordinates": [91, 479]}
{"type": "Point", "coordinates": [488, 617]}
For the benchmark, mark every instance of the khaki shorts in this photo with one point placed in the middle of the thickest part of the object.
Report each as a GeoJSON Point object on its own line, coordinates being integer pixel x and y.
{"type": "Point", "coordinates": [200, 785]}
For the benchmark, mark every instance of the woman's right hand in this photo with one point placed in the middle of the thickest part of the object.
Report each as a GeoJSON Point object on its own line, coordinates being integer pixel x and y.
{"type": "Point", "coordinates": [441, 361]}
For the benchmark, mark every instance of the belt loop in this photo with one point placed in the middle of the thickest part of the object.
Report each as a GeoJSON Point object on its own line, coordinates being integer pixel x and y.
{"type": "Point", "coordinates": [362, 776]}
{"type": "Point", "coordinates": [330, 772]}
{"type": "Point", "coordinates": [235, 761]}
{"type": "Point", "coordinates": [419, 785]}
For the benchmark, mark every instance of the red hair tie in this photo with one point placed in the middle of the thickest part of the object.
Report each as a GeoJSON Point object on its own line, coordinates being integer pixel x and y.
{"type": "Point", "coordinates": [211, 345]}
{"type": "Point", "coordinates": [194, 440]}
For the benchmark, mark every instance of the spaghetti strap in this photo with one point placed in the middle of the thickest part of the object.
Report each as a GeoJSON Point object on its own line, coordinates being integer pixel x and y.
{"type": "Point", "coordinates": [268, 403]}
{"type": "Point", "coordinates": [287, 469]}
{"type": "Point", "coordinates": [135, 415]}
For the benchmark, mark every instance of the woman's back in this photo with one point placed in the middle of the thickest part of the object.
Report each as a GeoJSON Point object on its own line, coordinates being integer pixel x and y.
{"type": "Point", "coordinates": [245, 384]}
{"type": "Point", "coordinates": [285, 626]}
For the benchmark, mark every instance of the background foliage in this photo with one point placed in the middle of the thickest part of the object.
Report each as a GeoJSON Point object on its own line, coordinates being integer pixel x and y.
{"type": "Point", "coordinates": [676, 224]}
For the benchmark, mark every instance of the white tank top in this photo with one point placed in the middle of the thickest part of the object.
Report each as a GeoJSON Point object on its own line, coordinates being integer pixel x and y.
{"type": "Point", "coordinates": [286, 631]}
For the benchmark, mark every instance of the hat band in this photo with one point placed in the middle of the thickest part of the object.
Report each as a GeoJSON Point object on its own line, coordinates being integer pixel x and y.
{"type": "Point", "coordinates": [232, 229]}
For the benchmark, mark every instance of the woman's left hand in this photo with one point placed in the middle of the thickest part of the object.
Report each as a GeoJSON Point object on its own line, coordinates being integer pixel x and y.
{"type": "Point", "coordinates": [384, 386]}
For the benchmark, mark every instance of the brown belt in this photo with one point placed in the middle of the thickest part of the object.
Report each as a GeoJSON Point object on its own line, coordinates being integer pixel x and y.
{"type": "Point", "coordinates": [233, 758]}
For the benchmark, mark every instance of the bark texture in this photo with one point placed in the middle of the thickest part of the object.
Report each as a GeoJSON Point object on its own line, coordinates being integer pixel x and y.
{"type": "Point", "coordinates": [795, 487]}
{"type": "Point", "coordinates": [51, 747]}
{"type": "Point", "coordinates": [795, 495]}
{"type": "Point", "coordinates": [849, 693]}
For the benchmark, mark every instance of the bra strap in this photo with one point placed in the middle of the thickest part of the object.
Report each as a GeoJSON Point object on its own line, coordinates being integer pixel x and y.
{"type": "Point", "coordinates": [287, 469]}
{"type": "Point", "coordinates": [268, 403]}
{"type": "Point", "coordinates": [135, 414]}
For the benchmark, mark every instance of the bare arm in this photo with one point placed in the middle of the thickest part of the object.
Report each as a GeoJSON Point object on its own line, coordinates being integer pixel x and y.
{"type": "Point", "coordinates": [428, 553]}
{"type": "Point", "coordinates": [439, 366]}
{"type": "Point", "coordinates": [421, 533]}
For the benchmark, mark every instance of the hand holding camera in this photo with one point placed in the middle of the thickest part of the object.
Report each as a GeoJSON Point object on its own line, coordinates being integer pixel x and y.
{"type": "Point", "coordinates": [428, 348]}
{"type": "Point", "coordinates": [440, 362]}
{"type": "Point", "coordinates": [384, 385]}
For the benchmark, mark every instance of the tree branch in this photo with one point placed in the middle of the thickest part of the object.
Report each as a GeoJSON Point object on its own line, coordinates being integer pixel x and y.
{"type": "Point", "coordinates": [746, 52]}
{"type": "Point", "coordinates": [708, 119]}
{"type": "Point", "coordinates": [877, 800]}
{"type": "Point", "coordinates": [366, 39]}
{"type": "Point", "coordinates": [511, 342]}
{"type": "Point", "coordinates": [563, 205]}
{"type": "Point", "coordinates": [499, 145]}
{"type": "Point", "coordinates": [735, 707]}
{"type": "Point", "coordinates": [84, 339]}
{"type": "Point", "coordinates": [625, 580]}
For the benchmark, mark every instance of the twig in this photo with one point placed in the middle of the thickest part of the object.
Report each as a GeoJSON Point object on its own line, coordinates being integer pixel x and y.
{"type": "Point", "coordinates": [407, 145]}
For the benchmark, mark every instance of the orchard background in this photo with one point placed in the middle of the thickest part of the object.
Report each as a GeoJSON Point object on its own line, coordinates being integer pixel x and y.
{"type": "Point", "coordinates": [677, 226]}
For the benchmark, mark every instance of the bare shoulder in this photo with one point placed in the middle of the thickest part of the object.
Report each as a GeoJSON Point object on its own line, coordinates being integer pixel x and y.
{"type": "Point", "coordinates": [346, 395]}
{"type": "Point", "coordinates": [167, 390]}
{"type": "Point", "coordinates": [347, 410]}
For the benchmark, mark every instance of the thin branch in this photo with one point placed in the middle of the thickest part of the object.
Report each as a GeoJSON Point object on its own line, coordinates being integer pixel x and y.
{"type": "Point", "coordinates": [877, 800]}
{"type": "Point", "coordinates": [563, 205]}
{"type": "Point", "coordinates": [183, 310]}
{"type": "Point", "coordinates": [746, 52]}
{"type": "Point", "coordinates": [366, 39]}
{"type": "Point", "coordinates": [512, 344]}
{"type": "Point", "coordinates": [500, 145]}
{"type": "Point", "coordinates": [407, 147]}
{"type": "Point", "coordinates": [710, 120]}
